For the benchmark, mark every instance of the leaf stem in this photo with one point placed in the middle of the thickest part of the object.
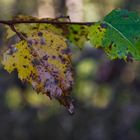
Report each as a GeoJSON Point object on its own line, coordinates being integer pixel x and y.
{"type": "Point", "coordinates": [18, 33]}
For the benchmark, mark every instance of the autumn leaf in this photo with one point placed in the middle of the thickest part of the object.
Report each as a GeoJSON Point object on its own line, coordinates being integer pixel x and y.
{"type": "Point", "coordinates": [44, 60]}
{"type": "Point", "coordinates": [19, 57]}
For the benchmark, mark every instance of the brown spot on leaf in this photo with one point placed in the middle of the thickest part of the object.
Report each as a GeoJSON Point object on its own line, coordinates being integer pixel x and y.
{"type": "Point", "coordinates": [110, 46]}
{"type": "Point", "coordinates": [75, 32]}
{"type": "Point", "coordinates": [25, 66]}
{"type": "Point", "coordinates": [25, 57]}
{"type": "Point", "coordinates": [103, 25]}
{"type": "Point", "coordinates": [76, 38]}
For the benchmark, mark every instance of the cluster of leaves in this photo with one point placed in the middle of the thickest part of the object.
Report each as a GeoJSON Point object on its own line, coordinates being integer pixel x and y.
{"type": "Point", "coordinates": [42, 57]}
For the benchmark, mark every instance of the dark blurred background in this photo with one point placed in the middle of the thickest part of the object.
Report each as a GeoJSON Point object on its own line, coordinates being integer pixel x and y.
{"type": "Point", "coordinates": [106, 93]}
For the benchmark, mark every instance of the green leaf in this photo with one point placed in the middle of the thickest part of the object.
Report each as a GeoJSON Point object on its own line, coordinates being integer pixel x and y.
{"type": "Point", "coordinates": [96, 34]}
{"type": "Point", "coordinates": [118, 34]}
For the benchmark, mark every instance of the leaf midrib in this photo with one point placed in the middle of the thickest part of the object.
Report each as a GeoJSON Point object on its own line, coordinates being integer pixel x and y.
{"type": "Point", "coordinates": [119, 33]}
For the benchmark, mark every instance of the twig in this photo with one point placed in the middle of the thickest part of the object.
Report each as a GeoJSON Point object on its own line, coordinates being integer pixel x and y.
{"type": "Point", "coordinates": [63, 17]}
{"type": "Point", "coordinates": [12, 22]}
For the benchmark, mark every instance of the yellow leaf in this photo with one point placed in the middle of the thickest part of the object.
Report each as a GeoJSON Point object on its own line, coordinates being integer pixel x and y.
{"type": "Point", "coordinates": [18, 57]}
{"type": "Point", "coordinates": [44, 60]}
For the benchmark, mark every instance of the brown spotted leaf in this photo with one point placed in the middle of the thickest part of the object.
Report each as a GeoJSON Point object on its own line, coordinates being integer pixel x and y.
{"type": "Point", "coordinates": [44, 60]}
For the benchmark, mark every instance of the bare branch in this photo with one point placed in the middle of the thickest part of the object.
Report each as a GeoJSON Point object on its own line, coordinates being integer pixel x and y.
{"type": "Point", "coordinates": [12, 22]}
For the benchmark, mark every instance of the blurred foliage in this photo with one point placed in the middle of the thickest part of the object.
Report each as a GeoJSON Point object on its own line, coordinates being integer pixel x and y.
{"type": "Point", "coordinates": [106, 92]}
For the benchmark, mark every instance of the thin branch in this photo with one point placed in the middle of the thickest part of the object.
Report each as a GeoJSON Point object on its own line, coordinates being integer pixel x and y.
{"type": "Point", "coordinates": [11, 22]}
{"type": "Point", "coordinates": [63, 17]}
